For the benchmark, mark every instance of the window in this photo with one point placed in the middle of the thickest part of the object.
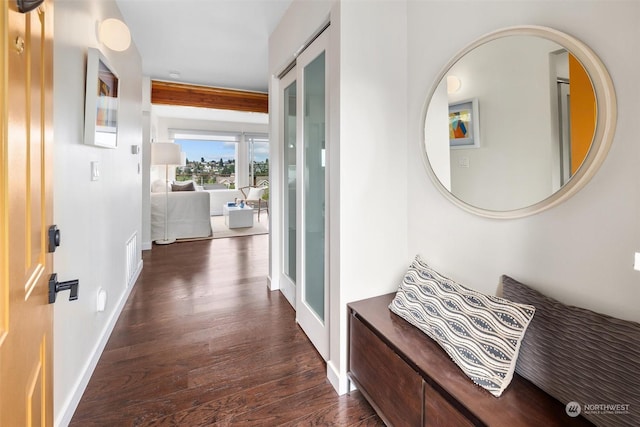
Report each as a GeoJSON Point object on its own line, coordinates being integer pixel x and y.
{"type": "Point", "coordinates": [210, 160]}
{"type": "Point", "coordinates": [223, 159]}
{"type": "Point", "coordinates": [258, 159]}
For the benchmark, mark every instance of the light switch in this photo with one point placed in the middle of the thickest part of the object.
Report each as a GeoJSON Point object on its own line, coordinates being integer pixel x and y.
{"type": "Point", "coordinates": [636, 264]}
{"type": "Point", "coordinates": [95, 171]}
{"type": "Point", "coordinates": [463, 162]}
{"type": "Point", "coordinates": [101, 302]}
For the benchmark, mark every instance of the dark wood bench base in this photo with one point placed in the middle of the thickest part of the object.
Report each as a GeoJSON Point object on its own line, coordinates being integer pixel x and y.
{"type": "Point", "coordinates": [411, 381]}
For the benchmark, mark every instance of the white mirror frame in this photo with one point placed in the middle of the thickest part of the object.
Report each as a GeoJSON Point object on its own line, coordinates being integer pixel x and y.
{"type": "Point", "coordinates": [605, 119]}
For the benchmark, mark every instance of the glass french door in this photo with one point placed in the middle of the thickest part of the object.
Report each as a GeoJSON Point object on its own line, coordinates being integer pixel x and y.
{"type": "Point", "coordinates": [289, 186]}
{"type": "Point", "coordinates": [305, 192]}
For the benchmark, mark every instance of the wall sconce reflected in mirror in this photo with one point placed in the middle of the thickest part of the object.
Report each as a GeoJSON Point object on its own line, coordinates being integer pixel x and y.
{"type": "Point", "coordinates": [453, 84]}
{"type": "Point", "coordinates": [114, 34]}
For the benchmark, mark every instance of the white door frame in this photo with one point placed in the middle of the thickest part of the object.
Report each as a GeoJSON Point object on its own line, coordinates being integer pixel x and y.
{"type": "Point", "coordinates": [287, 285]}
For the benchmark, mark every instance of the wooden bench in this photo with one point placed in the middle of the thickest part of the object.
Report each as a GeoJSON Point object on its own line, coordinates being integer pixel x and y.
{"type": "Point", "coordinates": [411, 381]}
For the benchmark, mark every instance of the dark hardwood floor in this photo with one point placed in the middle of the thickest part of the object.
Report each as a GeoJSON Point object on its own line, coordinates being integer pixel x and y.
{"type": "Point", "coordinates": [202, 341]}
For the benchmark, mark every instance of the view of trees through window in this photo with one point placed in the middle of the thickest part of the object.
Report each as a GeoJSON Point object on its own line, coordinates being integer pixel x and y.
{"type": "Point", "coordinates": [213, 164]}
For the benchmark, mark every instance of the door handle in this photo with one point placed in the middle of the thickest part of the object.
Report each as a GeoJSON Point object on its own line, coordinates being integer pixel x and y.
{"type": "Point", "coordinates": [55, 287]}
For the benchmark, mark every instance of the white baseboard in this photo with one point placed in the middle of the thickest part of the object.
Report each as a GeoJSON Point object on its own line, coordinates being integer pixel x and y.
{"type": "Point", "coordinates": [71, 404]}
{"type": "Point", "coordinates": [146, 246]}
{"type": "Point", "coordinates": [341, 385]}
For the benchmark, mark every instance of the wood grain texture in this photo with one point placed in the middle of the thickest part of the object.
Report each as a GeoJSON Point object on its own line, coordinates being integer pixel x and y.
{"type": "Point", "coordinates": [169, 93]}
{"type": "Point", "coordinates": [202, 341]}
{"type": "Point", "coordinates": [440, 413]}
{"type": "Point", "coordinates": [380, 374]}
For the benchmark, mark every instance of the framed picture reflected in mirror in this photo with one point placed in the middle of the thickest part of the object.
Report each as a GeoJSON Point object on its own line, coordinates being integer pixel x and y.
{"type": "Point", "coordinates": [464, 131]}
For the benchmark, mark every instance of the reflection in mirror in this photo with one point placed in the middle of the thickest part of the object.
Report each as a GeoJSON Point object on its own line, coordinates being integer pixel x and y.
{"type": "Point", "coordinates": [537, 114]}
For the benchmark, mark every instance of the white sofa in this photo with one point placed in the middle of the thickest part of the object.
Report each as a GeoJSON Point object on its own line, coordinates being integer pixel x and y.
{"type": "Point", "coordinates": [220, 197]}
{"type": "Point", "coordinates": [189, 215]}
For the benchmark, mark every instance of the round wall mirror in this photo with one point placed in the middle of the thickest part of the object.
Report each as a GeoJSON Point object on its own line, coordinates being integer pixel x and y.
{"type": "Point", "coordinates": [518, 121]}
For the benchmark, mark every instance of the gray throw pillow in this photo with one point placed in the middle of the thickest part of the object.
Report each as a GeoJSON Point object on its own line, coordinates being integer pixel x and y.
{"type": "Point", "coordinates": [577, 355]}
{"type": "Point", "coordinates": [183, 187]}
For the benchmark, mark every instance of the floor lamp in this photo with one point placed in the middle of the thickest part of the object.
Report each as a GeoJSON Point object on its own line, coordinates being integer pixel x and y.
{"type": "Point", "coordinates": [165, 153]}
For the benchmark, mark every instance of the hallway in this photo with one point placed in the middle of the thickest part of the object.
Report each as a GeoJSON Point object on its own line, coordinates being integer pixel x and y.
{"type": "Point", "coordinates": [202, 341]}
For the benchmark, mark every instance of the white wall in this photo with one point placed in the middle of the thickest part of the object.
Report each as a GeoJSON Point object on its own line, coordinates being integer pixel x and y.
{"type": "Point", "coordinates": [146, 162]}
{"type": "Point", "coordinates": [373, 134]}
{"type": "Point", "coordinates": [581, 251]}
{"type": "Point", "coordinates": [96, 218]}
{"type": "Point", "coordinates": [164, 124]}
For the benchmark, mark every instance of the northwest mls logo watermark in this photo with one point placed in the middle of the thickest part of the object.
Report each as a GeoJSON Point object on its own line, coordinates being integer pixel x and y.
{"type": "Point", "coordinates": [574, 409]}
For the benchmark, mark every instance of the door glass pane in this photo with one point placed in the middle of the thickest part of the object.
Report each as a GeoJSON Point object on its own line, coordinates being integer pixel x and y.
{"type": "Point", "coordinates": [258, 160]}
{"type": "Point", "coordinates": [314, 183]}
{"type": "Point", "coordinates": [289, 181]}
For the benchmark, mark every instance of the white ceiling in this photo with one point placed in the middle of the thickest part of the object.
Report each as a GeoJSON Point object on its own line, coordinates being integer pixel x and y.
{"type": "Point", "coordinates": [221, 43]}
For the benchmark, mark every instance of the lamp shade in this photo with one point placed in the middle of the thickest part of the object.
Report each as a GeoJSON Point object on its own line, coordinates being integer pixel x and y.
{"type": "Point", "coordinates": [165, 153]}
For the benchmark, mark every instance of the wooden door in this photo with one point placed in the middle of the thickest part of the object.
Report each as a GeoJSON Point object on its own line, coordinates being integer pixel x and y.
{"type": "Point", "coordinates": [26, 95]}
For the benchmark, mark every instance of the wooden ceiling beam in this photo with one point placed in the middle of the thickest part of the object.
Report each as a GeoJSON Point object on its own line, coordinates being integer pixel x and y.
{"type": "Point", "coordinates": [170, 93]}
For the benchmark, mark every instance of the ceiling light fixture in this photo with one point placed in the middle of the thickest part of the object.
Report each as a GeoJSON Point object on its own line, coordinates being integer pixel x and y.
{"type": "Point", "coordinates": [114, 34]}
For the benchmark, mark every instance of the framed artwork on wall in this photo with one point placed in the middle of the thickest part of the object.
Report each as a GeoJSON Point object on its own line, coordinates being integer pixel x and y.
{"type": "Point", "coordinates": [101, 102]}
{"type": "Point", "coordinates": [464, 131]}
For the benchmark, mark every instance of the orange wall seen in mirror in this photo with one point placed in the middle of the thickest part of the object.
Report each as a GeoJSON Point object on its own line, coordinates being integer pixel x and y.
{"type": "Point", "coordinates": [583, 113]}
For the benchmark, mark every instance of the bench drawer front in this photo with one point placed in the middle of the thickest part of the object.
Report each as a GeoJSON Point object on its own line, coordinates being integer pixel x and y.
{"type": "Point", "coordinates": [438, 412]}
{"type": "Point", "coordinates": [393, 388]}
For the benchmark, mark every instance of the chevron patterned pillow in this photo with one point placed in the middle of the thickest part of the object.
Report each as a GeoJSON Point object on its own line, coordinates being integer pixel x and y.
{"type": "Point", "coordinates": [481, 333]}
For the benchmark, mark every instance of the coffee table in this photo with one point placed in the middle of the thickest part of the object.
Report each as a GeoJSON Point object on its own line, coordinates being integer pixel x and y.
{"type": "Point", "coordinates": [237, 217]}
